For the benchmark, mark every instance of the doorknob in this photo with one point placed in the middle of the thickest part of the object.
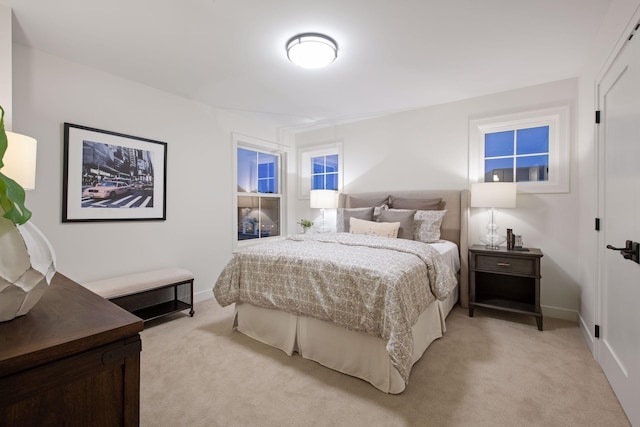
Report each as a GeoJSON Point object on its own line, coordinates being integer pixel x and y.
{"type": "Point", "coordinates": [631, 251]}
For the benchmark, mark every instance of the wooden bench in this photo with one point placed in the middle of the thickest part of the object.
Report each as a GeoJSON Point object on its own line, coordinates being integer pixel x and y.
{"type": "Point", "coordinates": [151, 294]}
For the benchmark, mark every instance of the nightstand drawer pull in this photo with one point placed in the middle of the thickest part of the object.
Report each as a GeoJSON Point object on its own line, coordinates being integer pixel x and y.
{"type": "Point", "coordinates": [503, 264]}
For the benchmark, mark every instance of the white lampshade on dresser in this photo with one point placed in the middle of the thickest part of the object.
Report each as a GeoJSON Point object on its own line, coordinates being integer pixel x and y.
{"type": "Point", "coordinates": [20, 160]}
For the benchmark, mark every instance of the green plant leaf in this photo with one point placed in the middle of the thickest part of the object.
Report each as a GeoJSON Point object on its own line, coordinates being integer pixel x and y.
{"type": "Point", "coordinates": [12, 195]}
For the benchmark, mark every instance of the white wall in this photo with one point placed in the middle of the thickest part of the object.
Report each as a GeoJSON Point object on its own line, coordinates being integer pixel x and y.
{"type": "Point", "coordinates": [5, 64]}
{"type": "Point", "coordinates": [622, 15]}
{"type": "Point", "coordinates": [197, 234]}
{"type": "Point", "coordinates": [428, 149]}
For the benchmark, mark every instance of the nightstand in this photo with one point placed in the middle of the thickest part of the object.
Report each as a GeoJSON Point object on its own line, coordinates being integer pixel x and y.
{"type": "Point", "coordinates": [507, 280]}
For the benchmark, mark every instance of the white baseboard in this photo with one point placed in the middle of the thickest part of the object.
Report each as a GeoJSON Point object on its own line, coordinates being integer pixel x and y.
{"type": "Point", "coordinates": [202, 295]}
{"type": "Point", "coordinates": [587, 333]}
{"type": "Point", "coordinates": [559, 313]}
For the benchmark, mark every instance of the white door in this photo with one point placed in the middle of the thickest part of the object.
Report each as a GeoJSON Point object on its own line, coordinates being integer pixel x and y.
{"type": "Point", "coordinates": [619, 179]}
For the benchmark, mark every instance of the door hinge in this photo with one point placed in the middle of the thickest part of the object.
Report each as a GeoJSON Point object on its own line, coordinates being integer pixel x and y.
{"type": "Point", "coordinates": [597, 331]}
{"type": "Point", "coordinates": [598, 116]}
{"type": "Point", "coordinates": [597, 224]}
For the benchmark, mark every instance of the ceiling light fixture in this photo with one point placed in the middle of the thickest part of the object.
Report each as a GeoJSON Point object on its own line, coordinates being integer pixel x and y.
{"type": "Point", "coordinates": [312, 50]}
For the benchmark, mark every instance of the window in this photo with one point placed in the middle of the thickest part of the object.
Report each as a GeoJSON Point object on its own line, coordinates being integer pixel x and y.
{"type": "Point", "coordinates": [530, 148]}
{"type": "Point", "coordinates": [517, 155]}
{"type": "Point", "coordinates": [258, 189]}
{"type": "Point", "coordinates": [324, 172]}
{"type": "Point", "coordinates": [257, 171]}
{"type": "Point", "coordinates": [319, 168]}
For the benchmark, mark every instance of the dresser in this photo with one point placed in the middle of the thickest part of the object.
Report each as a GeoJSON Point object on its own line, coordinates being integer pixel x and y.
{"type": "Point", "coordinates": [507, 280]}
{"type": "Point", "coordinates": [73, 360]}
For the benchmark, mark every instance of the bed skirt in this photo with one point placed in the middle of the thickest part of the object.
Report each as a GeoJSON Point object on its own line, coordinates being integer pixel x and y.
{"type": "Point", "coordinates": [354, 353]}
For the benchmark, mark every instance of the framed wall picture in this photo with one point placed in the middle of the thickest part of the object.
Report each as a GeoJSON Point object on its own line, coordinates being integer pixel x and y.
{"type": "Point", "coordinates": [110, 176]}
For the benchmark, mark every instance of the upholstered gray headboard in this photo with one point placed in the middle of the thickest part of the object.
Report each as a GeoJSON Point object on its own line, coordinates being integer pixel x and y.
{"type": "Point", "coordinates": [454, 226]}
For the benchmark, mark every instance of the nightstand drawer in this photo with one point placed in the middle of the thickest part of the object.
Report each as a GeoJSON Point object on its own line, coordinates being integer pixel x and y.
{"type": "Point", "coordinates": [506, 264]}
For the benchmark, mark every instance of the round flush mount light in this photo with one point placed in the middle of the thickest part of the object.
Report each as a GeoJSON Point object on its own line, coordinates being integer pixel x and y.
{"type": "Point", "coordinates": [312, 50]}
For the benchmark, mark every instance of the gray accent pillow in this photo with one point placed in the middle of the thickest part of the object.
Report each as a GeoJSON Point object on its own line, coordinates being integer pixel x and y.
{"type": "Point", "coordinates": [360, 202]}
{"type": "Point", "coordinates": [344, 215]}
{"type": "Point", "coordinates": [404, 217]}
{"type": "Point", "coordinates": [420, 204]}
{"type": "Point", "coordinates": [427, 225]}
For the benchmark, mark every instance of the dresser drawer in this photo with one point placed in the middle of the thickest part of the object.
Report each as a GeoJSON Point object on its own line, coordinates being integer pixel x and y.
{"type": "Point", "coordinates": [506, 264]}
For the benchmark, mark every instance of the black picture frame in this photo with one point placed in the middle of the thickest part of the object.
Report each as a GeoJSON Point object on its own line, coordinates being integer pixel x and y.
{"type": "Point", "coordinates": [110, 176]}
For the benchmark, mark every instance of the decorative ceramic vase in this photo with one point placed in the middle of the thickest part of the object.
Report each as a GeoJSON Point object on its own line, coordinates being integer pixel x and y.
{"type": "Point", "coordinates": [27, 265]}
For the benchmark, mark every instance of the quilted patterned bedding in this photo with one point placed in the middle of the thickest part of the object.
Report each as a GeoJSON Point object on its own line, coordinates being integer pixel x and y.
{"type": "Point", "coordinates": [364, 283]}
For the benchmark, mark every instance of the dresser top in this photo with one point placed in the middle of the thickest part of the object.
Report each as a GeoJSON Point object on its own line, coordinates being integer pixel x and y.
{"type": "Point", "coordinates": [67, 320]}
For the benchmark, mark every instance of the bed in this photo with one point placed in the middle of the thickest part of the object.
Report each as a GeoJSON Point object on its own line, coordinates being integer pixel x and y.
{"type": "Point", "coordinates": [377, 332]}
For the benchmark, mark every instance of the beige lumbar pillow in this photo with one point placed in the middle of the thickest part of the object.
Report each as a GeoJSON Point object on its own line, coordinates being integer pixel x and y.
{"type": "Point", "coordinates": [383, 229]}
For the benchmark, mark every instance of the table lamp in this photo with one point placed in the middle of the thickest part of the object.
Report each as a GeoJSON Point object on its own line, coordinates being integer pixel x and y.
{"type": "Point", "coordinates": [20, 160]}
{"type": "Point", "coordinates": [324, 199]}
{"type": "Point", "coordinates": [493, 195]}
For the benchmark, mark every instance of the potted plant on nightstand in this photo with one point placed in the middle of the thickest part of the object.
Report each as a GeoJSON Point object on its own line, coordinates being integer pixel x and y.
{"type": "Point", "coordinates": [306, 224]}
{"type": "Point", "coordinates": [27, 260]}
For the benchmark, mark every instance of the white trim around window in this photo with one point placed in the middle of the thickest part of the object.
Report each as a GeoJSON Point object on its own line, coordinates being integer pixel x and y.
{"type": "Point", "coordinates": [558, 120]}
{"type": "Point", "coordinates": [305, 154]}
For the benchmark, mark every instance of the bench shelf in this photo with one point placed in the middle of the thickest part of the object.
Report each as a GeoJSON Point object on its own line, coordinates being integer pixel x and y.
{"type": "Point", "coordinates": [158, 302]}
{"type": "Point", "coordinates": [162, 309]}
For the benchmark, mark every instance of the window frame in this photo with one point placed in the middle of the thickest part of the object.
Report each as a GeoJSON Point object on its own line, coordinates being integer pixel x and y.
{"type": "Point", "coordinates": [267, 147]}
{"type": "Point", "coordinates": [305, 154]}
{"type": "Point", "coordinates": [558, 120]}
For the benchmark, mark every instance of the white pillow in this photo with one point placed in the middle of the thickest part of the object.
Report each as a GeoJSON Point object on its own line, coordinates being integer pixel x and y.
{"type": "Point", "coordinates": [426, 225]}
{"type": "Point", "coordinates": [383, 229]}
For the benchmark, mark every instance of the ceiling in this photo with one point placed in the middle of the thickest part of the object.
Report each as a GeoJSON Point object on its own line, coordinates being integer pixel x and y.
{"type": "Point", "coordinates": [393, 54]}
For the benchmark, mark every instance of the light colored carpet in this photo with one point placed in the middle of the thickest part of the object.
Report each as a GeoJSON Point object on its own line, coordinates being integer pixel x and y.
{"type": "Point", "coordinates": [491, 370]}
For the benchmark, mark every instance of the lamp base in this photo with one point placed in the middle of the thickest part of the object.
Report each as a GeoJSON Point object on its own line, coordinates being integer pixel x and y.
{"type": "Point", "coordinates": [323, 229]}
{"type": "Point", "coordinates": [493, 241]}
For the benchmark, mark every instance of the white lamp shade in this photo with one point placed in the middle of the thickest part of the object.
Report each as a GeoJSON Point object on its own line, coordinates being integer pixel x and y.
{"type": "Point", "coordinates": [20, 160]}
{"type": "Point", "coordinates": [493, 195]}
{"type": "Point", "coordinates": [327, 199]}
{"type": "Point", "coordinates": [312, 50]}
